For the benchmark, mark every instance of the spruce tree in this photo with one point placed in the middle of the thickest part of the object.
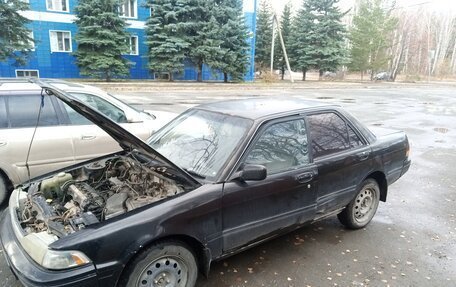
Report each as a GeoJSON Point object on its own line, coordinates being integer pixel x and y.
{"type": "Point", "coordinates": [166, 46]}
{"type": "Point", "coordinates": [370, 36]}
{"type": "Point", "coordinates": [285, 28]}
{"type": "Point", "coordinates": [15, 41]}
{"type": "Point", "coordinates": [199, 28]}
{"type": "Point", "coordinates": [234, 48]}
{"type": "Point", "coordinates": [303, 39]}
{"type": "Point", "coordinates": [320, 36]}
{"type": "Point", "coordinates": [264, 35]}
{"type": "Point", "coordinates": [102, 39]}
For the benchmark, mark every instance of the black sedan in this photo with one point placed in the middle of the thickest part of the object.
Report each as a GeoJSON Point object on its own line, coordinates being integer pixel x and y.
{"type": "Point", "coordinates": [217, 180]}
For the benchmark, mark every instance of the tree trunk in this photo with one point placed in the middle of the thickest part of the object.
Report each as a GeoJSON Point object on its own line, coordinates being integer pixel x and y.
{"type": "Point", "coordinates": [225, 77]}
{"type": "Point", "coordinates": [170, 77]}
{"type": "Point", "coordinates": [283, 73]}
{"type": "Point", "coordinates": [362, 75]}
{"type": "Point", "coordinates": [304, 72]}
{"type": "Point", "coordinates": [108, 76]}
{"type": "Point", "coordinates": [320, 74]}
{"type": "Point", "coordinates": [200, 72]}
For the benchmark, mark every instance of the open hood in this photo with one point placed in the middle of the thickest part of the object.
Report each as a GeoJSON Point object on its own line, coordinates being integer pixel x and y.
{"type": "Point", "coordinates": [126, 140]}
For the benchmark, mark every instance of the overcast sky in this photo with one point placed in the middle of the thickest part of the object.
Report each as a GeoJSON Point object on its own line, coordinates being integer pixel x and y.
{"type": "Point", "coordinates": [440, 5]}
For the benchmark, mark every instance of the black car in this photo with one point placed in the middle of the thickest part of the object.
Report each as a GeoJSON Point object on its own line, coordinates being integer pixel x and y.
{"type": "Point", "coordinates": [218, 179]}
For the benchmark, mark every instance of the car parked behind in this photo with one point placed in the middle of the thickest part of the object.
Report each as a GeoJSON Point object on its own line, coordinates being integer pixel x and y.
{"type": "Point", "coordinates": [63, 137]}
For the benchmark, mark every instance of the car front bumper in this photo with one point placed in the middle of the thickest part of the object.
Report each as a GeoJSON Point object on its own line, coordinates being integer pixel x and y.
{"type": "Point", "coordinates": [33, 275]}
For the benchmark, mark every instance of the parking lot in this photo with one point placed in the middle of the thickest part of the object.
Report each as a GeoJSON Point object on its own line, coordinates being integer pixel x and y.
{"type": "Point", "coordinates": [412, 239]}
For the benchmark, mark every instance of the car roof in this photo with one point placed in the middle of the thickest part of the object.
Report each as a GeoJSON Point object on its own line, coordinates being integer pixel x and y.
{"type": "Point", "coordinates": [262, 107]}
{"type": "Point", "coordinates": [18, 87]}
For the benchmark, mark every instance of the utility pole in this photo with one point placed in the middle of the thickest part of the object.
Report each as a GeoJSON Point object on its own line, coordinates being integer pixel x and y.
{"type": "Point", "coordinates": [276, 25]}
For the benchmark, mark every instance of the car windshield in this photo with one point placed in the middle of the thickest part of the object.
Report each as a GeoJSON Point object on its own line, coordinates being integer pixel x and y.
{"type": "Point", "coordinates": [200, 142]}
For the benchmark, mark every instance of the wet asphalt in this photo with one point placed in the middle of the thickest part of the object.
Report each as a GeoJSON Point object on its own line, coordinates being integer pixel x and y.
{"type": "Point", "coordinates": [411, 240]}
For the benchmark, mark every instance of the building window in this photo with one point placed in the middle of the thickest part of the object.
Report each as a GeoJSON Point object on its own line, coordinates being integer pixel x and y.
{"type": "Point", "coordinates": [27, 74]}
{"type": "Point", "coordinates": [57, 5]}
{"type": "Point", "coordinates": [133, 42]}
{"type": "Point", "coordinates": [128, 8]}
{"type": "Point", "coordinates": [31, 42]}
{"type": "Point", "coordinates": [60, 41]}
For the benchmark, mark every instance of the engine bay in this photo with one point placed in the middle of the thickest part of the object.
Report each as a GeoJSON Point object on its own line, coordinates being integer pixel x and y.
{"type": "Point", "coordinates": [72, 200]}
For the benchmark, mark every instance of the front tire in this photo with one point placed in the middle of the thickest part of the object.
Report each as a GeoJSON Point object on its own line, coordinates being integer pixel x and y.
{"type": "Point", "coordinates": [360, 211]}
{"type": "Point", "coordinates": [165, 264]}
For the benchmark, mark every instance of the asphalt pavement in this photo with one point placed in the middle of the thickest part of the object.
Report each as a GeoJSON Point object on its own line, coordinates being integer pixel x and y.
{"type": "Point", "coordinates": [411, 240]}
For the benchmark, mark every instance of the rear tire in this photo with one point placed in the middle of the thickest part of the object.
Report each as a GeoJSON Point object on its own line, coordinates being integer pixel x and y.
{"type": "Point", "coordinates": [360, 211]}
{"type": "Point", "coordinates": [165, 264]}
{"type": "Point", "coordinates": [4, 193]}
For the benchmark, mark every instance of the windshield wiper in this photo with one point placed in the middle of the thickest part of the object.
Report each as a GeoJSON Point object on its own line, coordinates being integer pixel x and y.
{"type": "Point", "coordinates": [194, 173]}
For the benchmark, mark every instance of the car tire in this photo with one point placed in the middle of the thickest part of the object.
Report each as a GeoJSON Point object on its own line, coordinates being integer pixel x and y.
{"type": "Point", "coordinates": [170, 263]}
{"type": "Point", "coordinates": [360, 211]}
{"type": "Point", "coordinates": [3, 190]}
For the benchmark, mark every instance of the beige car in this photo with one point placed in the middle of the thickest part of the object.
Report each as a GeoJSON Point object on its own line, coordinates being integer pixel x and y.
{"type": "Point", "coordinates": [63, 137]}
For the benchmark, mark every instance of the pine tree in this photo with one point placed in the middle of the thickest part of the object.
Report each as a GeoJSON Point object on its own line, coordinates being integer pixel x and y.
{"type": "Point", "coordinates": [303, 39]}
{"type": "Point", "coordinates": [102, 39]}
{"type": "Point", "coordinates": [320, 36]}
{"type": "Point", "coordinates": [285, 28]}
{"type": "Point", "coordinates": [233, 34]}
{"type": "Point", "coordinates": [166, 46]}
{"type": "Point", "coordinates": [199, 28]}
{"type": "Point", "coordinates": [15, 40]}
{"type": "Point", "coordinates": [370, 37]}
{"type": "Point", "coordinates": [264, 35]}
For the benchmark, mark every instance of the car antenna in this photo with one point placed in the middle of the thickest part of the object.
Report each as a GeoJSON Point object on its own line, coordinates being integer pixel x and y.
{"type": "Point", "coordinates": [34, 132]}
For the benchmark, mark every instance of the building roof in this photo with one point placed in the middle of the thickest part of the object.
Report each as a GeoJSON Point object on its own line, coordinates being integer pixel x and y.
{"type": "Point", "coordinates": [257, 108]}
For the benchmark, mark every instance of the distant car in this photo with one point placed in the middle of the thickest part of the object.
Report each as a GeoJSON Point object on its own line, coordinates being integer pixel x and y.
{"type": "Point", "coordinates": [64, 137]}
{"type": "Point", "coordinates": [218, 179]}
{"type": "Point", "coordinates": [383, 76]}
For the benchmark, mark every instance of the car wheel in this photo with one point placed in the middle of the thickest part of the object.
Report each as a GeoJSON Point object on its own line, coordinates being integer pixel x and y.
{"type": "Point", "coordinates": [360, 211]}
{"type": "Point", "coordinates": [165, 264]}
{"type": "Point", "coordinates": [3, 190]}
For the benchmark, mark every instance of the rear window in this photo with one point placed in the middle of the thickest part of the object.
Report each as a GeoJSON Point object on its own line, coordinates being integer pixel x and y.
{"type": "Point", "coordinates": [3, 119]}
{"type": "Point", "coordinates": [23, 111]}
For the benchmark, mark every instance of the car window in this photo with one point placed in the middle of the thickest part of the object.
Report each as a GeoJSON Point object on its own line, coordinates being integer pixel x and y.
{"type": "Point", "coordinates": [23, 111]}
{"type": "Point", "coordinates": [281, 147]}
{"type": "Point", "coordinates": [329, 134]}
{"type": "Point", "coordinates": [102, 106]}
{"type": "Point", "coordinates": [74, 117]}
{"type": "Point", "coordinates": [354, 139]}
{"type": "Point", "coordinates": [3, 119]}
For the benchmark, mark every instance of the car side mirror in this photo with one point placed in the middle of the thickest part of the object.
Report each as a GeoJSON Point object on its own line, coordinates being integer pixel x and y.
{"type": "Point", "coordinates": [252, 172]}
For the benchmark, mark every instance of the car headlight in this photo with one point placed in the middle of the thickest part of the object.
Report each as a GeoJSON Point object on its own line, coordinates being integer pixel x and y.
{"type": "Point", "coordinates": [58, 260]}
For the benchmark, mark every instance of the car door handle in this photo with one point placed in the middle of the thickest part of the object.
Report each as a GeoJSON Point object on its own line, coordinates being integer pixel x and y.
{"type": "Point", "coordinates": [88, 137]}
{"type": "Point", "coordinates": [363, 155]}
{"type": "Point", "coordinates": [2, 144]}
{"type": "Point", "coordinates": [305, 177]}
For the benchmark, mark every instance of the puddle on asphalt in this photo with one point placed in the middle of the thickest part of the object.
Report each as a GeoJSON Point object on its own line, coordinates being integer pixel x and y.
{"type": "Point", "coordinates": [325, 98]}
{"type": "Point", "coordinates": [348, 101]}
{"type": "Point", "coordinates": [377, 125]}
{"type": "Point", "coordinates": [379, 103]}
{"type": "Point", "coordinates": [441, 130]}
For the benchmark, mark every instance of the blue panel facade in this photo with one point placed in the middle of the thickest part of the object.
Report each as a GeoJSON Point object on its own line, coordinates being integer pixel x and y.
{"type": "Point", "coordinates": [62, 64]}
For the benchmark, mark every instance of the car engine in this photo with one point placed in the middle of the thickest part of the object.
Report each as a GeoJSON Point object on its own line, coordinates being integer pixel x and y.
{"type": "Point", "coordinates": [96, 192]}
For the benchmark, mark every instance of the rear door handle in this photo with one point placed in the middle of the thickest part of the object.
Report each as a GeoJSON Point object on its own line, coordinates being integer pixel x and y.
{"type": "Point", "coordinates": [305, 177]}
{"type": "Point", "coordinates": [2, 144]}
{"type": "Point", "coordinates": [88, 137]}
{"type": "Point", "coordinates": [363, 155]}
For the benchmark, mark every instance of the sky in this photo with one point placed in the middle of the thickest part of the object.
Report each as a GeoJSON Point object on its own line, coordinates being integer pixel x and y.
{"type": "Point", "coordinates": [438, 5]}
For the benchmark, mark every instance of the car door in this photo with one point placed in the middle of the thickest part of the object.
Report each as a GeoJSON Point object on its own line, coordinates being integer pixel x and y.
{"type": "Point", "coordinates": [89, 140]}
{"type": "Point", "coordinates": [52, 146]}
{"type": "Point", "coordinates": [254, 210]}
{"type": "Point", "coordinates": [342, 158]}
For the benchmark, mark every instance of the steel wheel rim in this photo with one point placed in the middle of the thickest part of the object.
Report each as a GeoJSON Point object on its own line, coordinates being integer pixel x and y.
{"type": "Point", "coordinates": [365, 203]}
{"type": "Point", "coordinates": [166, 271]}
